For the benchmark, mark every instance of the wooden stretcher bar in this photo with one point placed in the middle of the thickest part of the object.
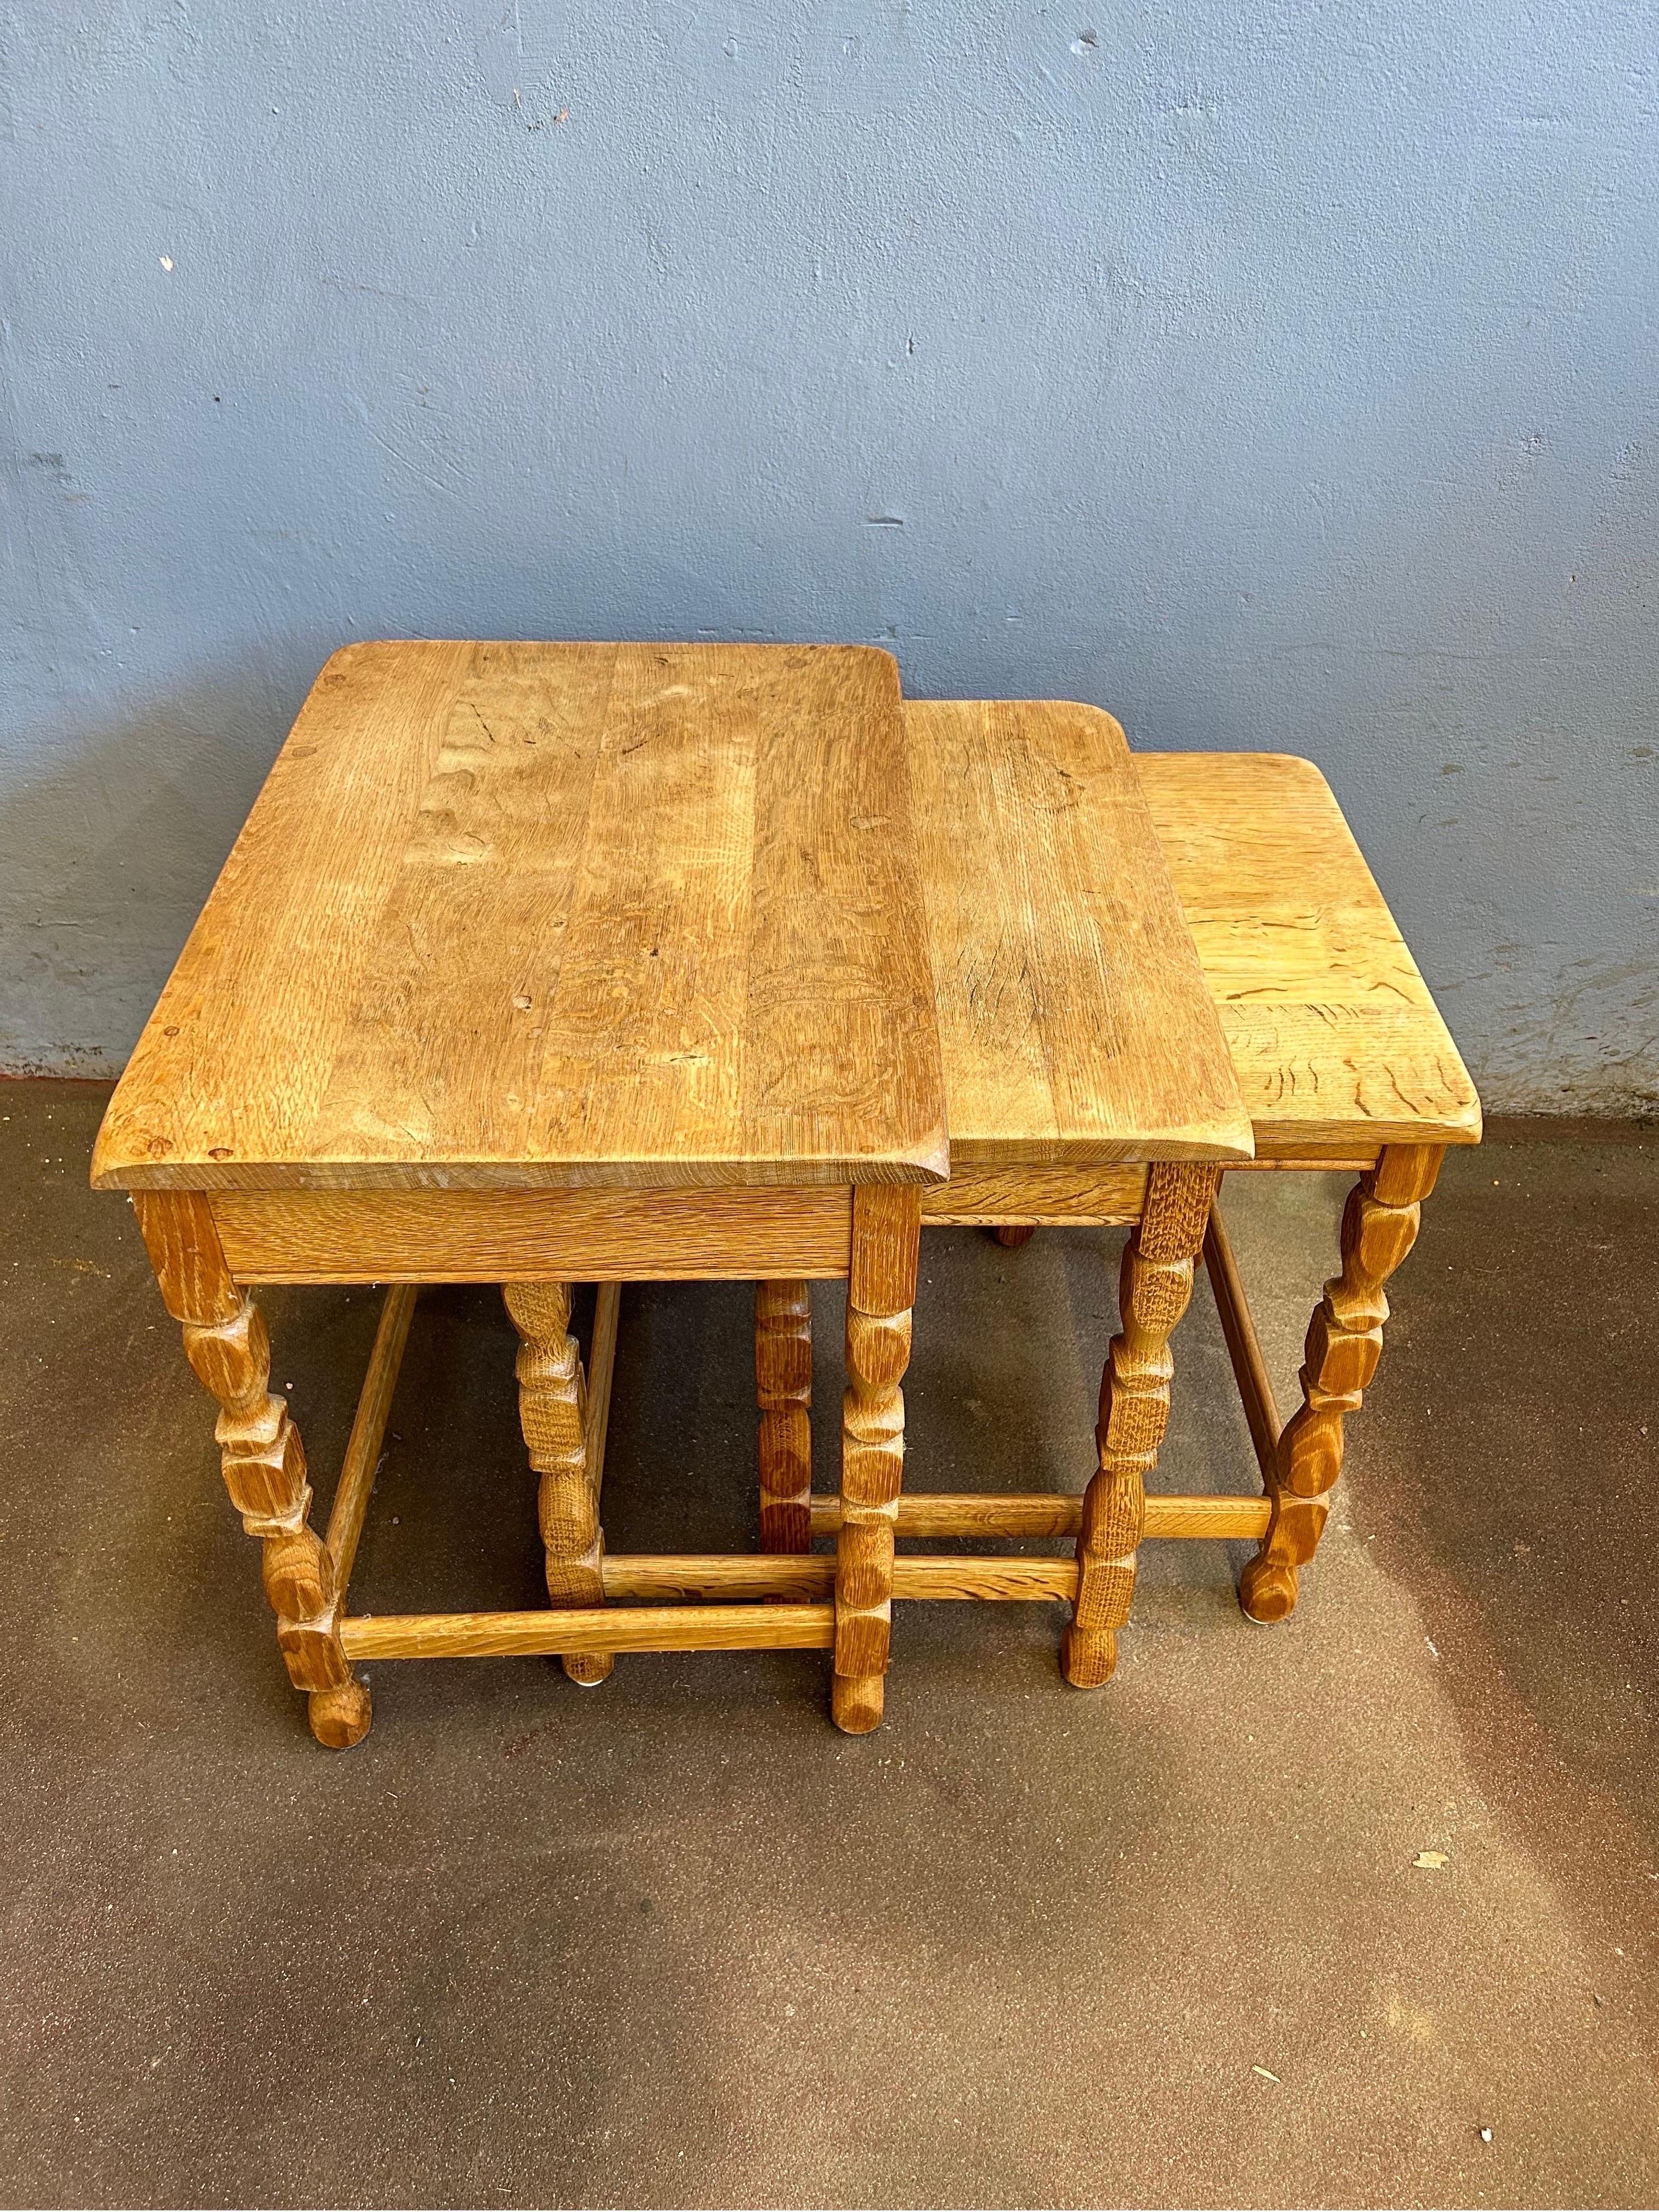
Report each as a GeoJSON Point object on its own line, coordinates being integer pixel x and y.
{"type": "Point", "coordinates": [362, 1451]}
{"type": "Point", "coordinates": [600, 1628]}
{"type": "Point", "coordinates": [813, 1574]}
{"type": "Point", "coordinates": [945, 1513]}
{"type": "Point", "coordinates": [601, 1366]}
{"type": "Point", "coordinates": [1243, 1345]}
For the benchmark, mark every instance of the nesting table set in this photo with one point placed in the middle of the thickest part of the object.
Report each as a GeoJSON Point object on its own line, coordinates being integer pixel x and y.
{"type": "Point", "coordinates": [545, 964]}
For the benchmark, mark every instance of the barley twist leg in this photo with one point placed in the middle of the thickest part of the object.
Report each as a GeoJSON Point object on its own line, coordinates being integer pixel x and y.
{"type": "Point", "coordinates": [1154, 1287]}
{"type": "Point", "coordinates": [880, 1293]}
{"type": "Point", "coordinates": [261, 1456]}
{"type": "Point", "coordinates": [1344, 1343]}
{"type": "Point", "coordinates": [783, 1384]}
{"type": "Point", "coordinates": [553, 1414]}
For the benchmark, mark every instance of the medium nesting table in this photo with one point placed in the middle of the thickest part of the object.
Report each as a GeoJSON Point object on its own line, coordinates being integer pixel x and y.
{"type": "Point", "coordinates": [536, 964]}
{"type": "Point", "coordinates": [1087, 1081]}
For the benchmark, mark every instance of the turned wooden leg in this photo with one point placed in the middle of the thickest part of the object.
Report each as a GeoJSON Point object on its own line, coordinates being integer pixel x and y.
{"type": "Point", "coordinates": [1153, 1289]}
{"type": "Point", "coordinates": [1344, 1342]}
{"type": "Point", "coordinates": [783, 1385]}
{"type": "Point", "coordinates": [881, 1290]}
{"type": "Point", "coordinates": [263, 1460]}
{"type": "Point", "coordinates": [553, 1414]}
{"type": "Point", "coordinates": [1013, 1234]}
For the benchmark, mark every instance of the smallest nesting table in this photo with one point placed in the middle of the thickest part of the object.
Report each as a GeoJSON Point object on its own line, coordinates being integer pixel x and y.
{"type": "Point", "coordinates": [538, 964]}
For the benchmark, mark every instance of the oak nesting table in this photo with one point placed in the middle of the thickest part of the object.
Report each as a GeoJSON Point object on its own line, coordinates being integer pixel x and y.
{"type": "Point", "coordinates": [1345, 1063]}
{"type": "Point", "coordinates": [544, 964]}
{"type": "Point", "coordinates": [540, 964]}
{"type": "Point", "coordinates": [1028, 815]}
{"type": "Point", "coordinates": [1087, 1081]}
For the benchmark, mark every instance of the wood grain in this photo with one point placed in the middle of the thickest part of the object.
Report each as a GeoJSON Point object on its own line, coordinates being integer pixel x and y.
{"type": "Point", "coordinates": [659, 1576]}
{"type": "Point", "coordinates": [501, 1236]}
{"type": "Point", "coordinates": [958, 1513]}
{"type": "Point", "coordinates": [362, 1451]}
{"type": "Point", "coordinates": [1256, 1387]}
{"type": "Point", "coordinates": [1279, 1155]}
{"type": "Point", "coordinates": [1021, 1195]}
{"type": "Point", "coordinates": [1333, 1031]}
{"type": "Point", "coordinates": [632, 1628]}
{"type": "Point", "coordinates": [192, 1271]}
{"type": "Point", "coordinates": [601, 913]}
{"type": "Point", "coordinates": [717, 1575]}
{"type": "Point", "coordinates": [1073, 1017]}
{"type": "Point", "coordinates": [601, 1370]}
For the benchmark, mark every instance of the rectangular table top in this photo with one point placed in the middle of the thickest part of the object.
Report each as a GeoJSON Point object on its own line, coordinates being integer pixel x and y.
{"type": "Point", "coordinates": [1334, 1034]}
{"type": "Point", "coordinates": [507, 916]}
{"type": "Point", "coordinates": [1076, 1024]}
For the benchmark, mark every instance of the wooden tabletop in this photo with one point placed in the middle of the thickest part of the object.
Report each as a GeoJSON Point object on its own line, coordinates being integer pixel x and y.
{"type": "Point", "coordinates": [1073, 1015]}
{"type": "Point", "coordinates": [507, 916]}
{"type": "Point", "coordinates": [1332, 1029]}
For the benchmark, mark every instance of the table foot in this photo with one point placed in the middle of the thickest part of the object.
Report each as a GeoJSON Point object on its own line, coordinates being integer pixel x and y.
{"type": "Point", "coordinates": [341, 1718]}
{"type": "Point", "coordinates": [1087, 1657]}
{"type": "Point", "coordinates": [856, 1703]}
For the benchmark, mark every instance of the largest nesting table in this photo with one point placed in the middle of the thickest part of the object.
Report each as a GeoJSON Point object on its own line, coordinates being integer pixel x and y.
{"type": "Point", "coordinates": [543, 965]}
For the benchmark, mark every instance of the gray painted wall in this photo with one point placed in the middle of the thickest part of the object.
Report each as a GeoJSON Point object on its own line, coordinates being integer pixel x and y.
{"type": "Point", "coordinates": [1278, 376]}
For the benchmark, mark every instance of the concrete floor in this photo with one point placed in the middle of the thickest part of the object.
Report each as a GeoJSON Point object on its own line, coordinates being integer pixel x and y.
{"type": "Point", "coordinates": [675, 1940]}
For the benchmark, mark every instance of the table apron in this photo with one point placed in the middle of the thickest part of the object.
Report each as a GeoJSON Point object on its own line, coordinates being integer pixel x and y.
{"type": "Point", "coordinates": [589, 1236]}
{"type": "Point", "coordinates": [1110, 1193]}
